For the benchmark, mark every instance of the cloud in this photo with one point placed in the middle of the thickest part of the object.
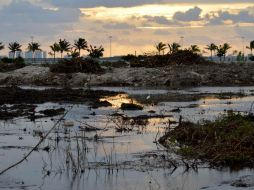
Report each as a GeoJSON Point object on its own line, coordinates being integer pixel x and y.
{"type": "Point", "coordinates": [190, 15]}
{"type": "Point", "coordinates": [118, 26]}
{"type": "Point", "coordinates": [20, 19]}
{"type": "Point", "coordinates": [131, 3]}
{"type": "Point", "coordinates": [19, 11]}
{"type": "Point", "coordinates": [157, 19]}
{"type": "Point", "coordinates": [243, 16]}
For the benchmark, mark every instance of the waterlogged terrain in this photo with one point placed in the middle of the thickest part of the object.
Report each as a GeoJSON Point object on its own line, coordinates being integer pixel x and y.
{"type": "Point", "coordinates": [100, 145]}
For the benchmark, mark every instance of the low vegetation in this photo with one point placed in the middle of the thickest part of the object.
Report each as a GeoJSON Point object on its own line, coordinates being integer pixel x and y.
{"type": "Point", "coordinates": [177, 57]}
{"type": "Point", "coordinates": [7, 64]}
{"type": "Point", "coordinates": [75, 65]}
{"type": "Point", "coordinates": [228, 141]}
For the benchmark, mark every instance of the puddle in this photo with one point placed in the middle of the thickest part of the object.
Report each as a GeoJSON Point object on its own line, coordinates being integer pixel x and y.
{"type": "Point", "coordinates": [107, 159]}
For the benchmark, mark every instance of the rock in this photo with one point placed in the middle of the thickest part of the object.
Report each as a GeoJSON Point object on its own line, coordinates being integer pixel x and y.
{"type": "Point", "coordinates": [68, 123]}
{"type": "Point", "coordinates": [189, 78]}
{"type": "Point", "coordinates": [131, 106]}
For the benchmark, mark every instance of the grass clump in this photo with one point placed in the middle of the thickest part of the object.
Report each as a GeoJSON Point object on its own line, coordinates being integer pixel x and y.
{"type": "Point", "coordinates": [228, 141]}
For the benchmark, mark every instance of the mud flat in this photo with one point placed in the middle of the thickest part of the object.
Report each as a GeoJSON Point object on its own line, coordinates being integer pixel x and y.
{"type": "Point", "coordinates": [174, 76]}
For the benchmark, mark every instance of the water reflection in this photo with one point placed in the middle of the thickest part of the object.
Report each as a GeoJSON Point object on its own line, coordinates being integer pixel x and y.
{"type": "Point", "coordinates": [119, 99]}
{"type": "Point", "coordinates": [110, 159]}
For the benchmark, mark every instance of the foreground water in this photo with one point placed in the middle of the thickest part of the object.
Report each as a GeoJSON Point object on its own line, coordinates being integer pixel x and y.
{"type": "Point", "coordinates": [122, 154]}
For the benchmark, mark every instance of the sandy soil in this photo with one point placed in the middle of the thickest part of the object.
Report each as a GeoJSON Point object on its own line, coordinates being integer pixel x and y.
{"type": "Point", "coordinates": [171, 76]}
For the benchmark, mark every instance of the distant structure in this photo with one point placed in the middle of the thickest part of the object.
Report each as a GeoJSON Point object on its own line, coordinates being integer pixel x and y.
{"type": "Point", "coordinates": [29, 55]}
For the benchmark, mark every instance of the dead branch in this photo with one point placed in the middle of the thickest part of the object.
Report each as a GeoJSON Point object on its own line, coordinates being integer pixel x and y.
{"type": "Point", "coordinates": [36, 146]}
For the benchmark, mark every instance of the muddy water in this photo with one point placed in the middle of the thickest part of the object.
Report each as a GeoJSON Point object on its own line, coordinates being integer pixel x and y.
{"type": "Point", "coordinates": [74, 158]}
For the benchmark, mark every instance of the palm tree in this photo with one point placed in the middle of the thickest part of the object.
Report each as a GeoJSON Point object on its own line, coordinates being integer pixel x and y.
{"type": "Point", "coordinates": [174, 47]}
{"type": "Point", "coordinates": [212, 48]}
{"type": "Point", "coordinates": [33, 47]}
{"type": "Point", "coordinates": [64, 45]}
{"type": "Point", "coordinates": [73, 53]}
{"type": "Point", "coordinates": [1, 46]}
{"type": "Point", "coordinates": [226, 47]}
{"type": "Point", "coordinates": [55, 48]}
{"type": "Point", "coordinates": [160, 47]}
{"type": "Point", "coordinates": [95, 52]}
{"type": "Point", "coordinates": [195, 49]}
{"type": "Point", "coordinates": [251, 47]}
{"type": "Point", "coordinates": [80, 44]}
{"type": "Point", "coordinates": [220, 52]}
{"type": "Point", "coordinates": [14, 47]}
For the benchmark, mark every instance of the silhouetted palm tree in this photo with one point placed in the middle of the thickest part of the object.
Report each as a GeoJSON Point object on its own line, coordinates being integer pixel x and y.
{"type": "Point", "coordinates": [174, 47]}
{"type": "Point", "coordinates": [64, 45]}
{"type": "Point", "coordinates": [80, 44]}
{"type": "Point", "coordinates": [1, 46]}
{"type": "Point", "coordinates": [55, 48]}
{"type": "Point", "coordinates": [95, 52]}
{"type": "Point", "coordinates": [212, 48]}
{"type": "Point", "coordinates": [226, 47]}
{"type": "Point", "coordinates": [14, 47]}
{"type": "Point", "coordinates": [74, 53]}
{"type": "Point", "coordinates": [195, 49]}
{"type": "Point", "coordinates": [251, 47]}
{"type": "Point", "coordinates": [160, 47]}
{"type": "Point", "coordinates": [222, 50]}
{"type": "Point", "coordinates": [33, 47]}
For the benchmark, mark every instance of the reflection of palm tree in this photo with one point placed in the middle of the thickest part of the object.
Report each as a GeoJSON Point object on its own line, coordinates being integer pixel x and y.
{"type": "Point", "coordinates": [14, 47]}
{"type": "Point", "coordinates": [251, 47]}
{"type": "Point", "coordinates": [174, 47]}
{"type": "Point", "coordinates": [80, 44]}
{"type": "Point", "coordinates": [212, 48]}
{"type": "Point", "coordinates": [195, 49]}
{"type": "Point", "coordinates": [160, 47]}
{"type": "Point", "coordinates": [64, 45]}
{"type": "Point", "coordinates": [55, 48]}
{"type": "Point", "coordinates": [33, 47]}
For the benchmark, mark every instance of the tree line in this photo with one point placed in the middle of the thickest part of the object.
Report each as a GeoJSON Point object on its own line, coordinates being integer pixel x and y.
{"type": "Point", "coordinates": [59, 47]}
{"type": "Point", "coordinates": [218, 50]}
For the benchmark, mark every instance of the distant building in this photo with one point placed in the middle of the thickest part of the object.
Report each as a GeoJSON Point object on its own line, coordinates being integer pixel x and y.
{"type": "Point", "coordinates": [11, 55]}
{"type": "Point", "coordinates": [28, 55]}
{"type": "Point", "coordinates": [36, 55]}
{"type": "Point", "coordinates": [19, 54]}
{"type": "Point", "coordinates": [44, 54]}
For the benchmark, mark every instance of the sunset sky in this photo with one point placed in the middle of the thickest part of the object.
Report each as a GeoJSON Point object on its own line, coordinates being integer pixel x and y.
{"type": "Point", "coordinates": [135, 25]}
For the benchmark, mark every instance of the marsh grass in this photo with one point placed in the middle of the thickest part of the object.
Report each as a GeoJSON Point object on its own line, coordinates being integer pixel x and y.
{"type": "Point", "coordinates": [228, 141]}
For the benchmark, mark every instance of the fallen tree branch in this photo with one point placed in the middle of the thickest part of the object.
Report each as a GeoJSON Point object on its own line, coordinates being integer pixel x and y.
{"type": "Point", "coordinates": [37, 145]}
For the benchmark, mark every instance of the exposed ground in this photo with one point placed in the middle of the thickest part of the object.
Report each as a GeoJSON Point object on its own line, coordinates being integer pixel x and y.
{"type": "Point", "coordinates": [174, 76]}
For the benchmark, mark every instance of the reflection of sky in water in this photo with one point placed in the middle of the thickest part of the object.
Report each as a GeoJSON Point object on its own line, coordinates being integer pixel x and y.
{"type": "Point", "coordinates": [120, 148]}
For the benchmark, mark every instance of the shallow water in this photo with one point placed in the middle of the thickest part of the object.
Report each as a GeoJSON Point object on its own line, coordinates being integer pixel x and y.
{"type": "Point", "coordinates": [114, 160]}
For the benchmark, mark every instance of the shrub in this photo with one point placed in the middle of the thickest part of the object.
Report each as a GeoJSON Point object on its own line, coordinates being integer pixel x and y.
{"type": "Point", "coordinates": [75, 65]}
{"type": "Point", "coordinates": [179, 57]}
